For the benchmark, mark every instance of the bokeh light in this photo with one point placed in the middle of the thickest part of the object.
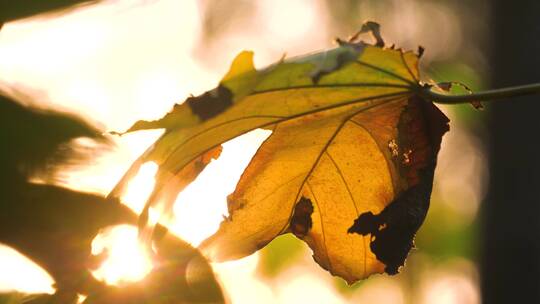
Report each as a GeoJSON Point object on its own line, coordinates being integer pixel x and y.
{"type": "Point", "coordinates": [126, 260]}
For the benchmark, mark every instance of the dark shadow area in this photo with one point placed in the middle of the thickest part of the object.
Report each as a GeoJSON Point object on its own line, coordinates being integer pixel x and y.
{"type": "Point", "coordinates": [55, 226]}
{"type": "Point", "coordinates": [510, 259]}
{"type": "Point", "coordinates": [35, 140]}
{"type": "Point", "coordinates": [11, 10]}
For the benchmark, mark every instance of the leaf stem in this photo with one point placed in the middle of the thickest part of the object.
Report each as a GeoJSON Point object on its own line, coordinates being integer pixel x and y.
{"type": "Point", "coordinates": [490, 95]}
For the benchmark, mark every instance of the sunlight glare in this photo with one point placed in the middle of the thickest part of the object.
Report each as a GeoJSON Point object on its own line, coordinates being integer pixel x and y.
{"type": "Point", "coordinates": [140, 187]}
{"type": "Point", "coordinates": [21, 274]}
{"type": "Point", "coordinates": [200, 208]}
{"type": "Point", "coordinates": [126, 260]}
{"type": "Point", "coordinates": [155, 91]}
{"type": "Point", "coordinates": [116, 64]}
{"type": "Point", "coordinates": [293, 24]}
{"type": "Point", "coordinates": [107, 168]}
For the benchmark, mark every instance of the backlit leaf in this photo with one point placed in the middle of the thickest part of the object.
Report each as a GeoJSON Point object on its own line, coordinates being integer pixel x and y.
{"type": "Point", "coordinates": [348, 167]}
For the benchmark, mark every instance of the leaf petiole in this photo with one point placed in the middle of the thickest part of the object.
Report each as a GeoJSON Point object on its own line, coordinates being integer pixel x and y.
{"type": "Point", "coordinates": [490, 95]}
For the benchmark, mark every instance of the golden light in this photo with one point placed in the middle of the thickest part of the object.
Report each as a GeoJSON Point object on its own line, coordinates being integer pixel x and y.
{"type": "Point", "coordinates": [126, 258]}
{"type": "Point", "coordinates": [140, 188]}
{"type": "Point", "coordinates": [202, 205]}
{"type": "Point", "coordinates": [21, 274]}
{"type": "Point", "coordinates": [122, 61]}
{"type": "Point", "coordinates": [290, 25]}
{"type": "Point", "coordinates": [126, 261]}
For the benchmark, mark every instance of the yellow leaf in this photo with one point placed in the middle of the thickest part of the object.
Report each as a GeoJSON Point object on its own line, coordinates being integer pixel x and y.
{"type": "Point", "coordinates": [339, 165]}
{"type": "Point", "coordinates": [348, 167]}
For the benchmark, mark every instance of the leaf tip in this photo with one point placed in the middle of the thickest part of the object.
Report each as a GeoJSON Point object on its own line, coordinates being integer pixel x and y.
{"type": "Point", "coordinates": [242, 63]}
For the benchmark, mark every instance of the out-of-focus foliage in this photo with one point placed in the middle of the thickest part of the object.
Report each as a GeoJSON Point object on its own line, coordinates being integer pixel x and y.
{"type": "Point", "coordinates": [55, 226]}
{"type": "Point", "coordinates": [182, 276]}
{"type": "Point", "coordinates": [40, 140]}
{"type": "Point", "coordinates": [11, 10]}
{"type": "Point", "coordinates": [279, 254]}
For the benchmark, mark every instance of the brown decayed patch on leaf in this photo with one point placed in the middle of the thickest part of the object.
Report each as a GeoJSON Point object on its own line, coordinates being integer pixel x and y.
{"type": "Point", "coordinates": [392, 231]}
{"type": "Point", "coordinates": [301, 220]}
{"type": "Point", "coordinates": [211, 103]}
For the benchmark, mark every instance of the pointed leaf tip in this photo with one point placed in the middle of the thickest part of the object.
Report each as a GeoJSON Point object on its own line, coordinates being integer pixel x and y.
{"type": "Point", "coordinates": [242, 63]}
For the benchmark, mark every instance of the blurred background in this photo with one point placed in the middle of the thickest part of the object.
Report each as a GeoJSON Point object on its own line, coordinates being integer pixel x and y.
{"type": "Point", "coordinates": [116, 62]}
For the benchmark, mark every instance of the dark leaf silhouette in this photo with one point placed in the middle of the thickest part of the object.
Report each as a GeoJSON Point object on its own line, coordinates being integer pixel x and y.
{"type": "Point", "coordinates": [11, 10]}
{"type": "Point", "coordinates": [55, 226]}
{"type": "Point", "coordinates": [38, 139]}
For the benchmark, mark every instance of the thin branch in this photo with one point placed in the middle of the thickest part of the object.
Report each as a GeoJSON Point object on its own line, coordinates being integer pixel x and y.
{"type": "Point", "coordinates": [490, 95]}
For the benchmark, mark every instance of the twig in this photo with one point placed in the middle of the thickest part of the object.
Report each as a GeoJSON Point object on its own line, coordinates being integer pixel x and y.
{"type": "Point", "coordinates": [490, 95]}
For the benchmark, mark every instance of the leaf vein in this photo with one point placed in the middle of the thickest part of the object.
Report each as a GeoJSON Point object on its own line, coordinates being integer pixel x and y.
{"type": "Point", "coordinates": [376, 68]}
{"type": "Point", "coordinates": [407, 67]}
{"type": "Point", "coordinates": [322, 225]}
{"type": "Point", "coordinates": [386, 160]}
{"type": "Point", "coordinates": [336, 85]}
{"type": "Point", "coordinates": [283, 119]}
{"type": "Point", "coordinates": [352, 199]}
